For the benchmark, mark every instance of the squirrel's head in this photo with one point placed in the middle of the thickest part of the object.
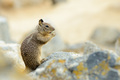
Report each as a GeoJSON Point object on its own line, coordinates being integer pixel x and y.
{"type": "Point", "coordinates": [45, 28]}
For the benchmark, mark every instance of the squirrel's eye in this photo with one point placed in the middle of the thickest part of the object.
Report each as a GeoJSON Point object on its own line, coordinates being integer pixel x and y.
{"type": "Point", "coordinates": [46, 26]}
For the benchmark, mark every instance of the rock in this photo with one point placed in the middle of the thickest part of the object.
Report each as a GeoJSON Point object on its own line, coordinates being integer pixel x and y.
{"type": "Point", "coordinates": [18, 3]}
{"type": "Point", "coordinates": [105, 36]}
{"type": "Point", "coordinates": [4, 30]}
{"type": "Point", "coordinates": [77, 48]}
{"type": "Point", "coordinates": [85, 48]}
{"type": "Point", "coordinates": [55, 67]}
{"type": "Point", "coordinates": [8, 68]}
{"type": "Point", "coordinates": [23, 3]}
{"type": "Point", "coordinates": [100, 65]}
{"type": "Point", "coordinates": [57, 1]}
{"type": "Point", "coordinates": [115, 6]}
{"type": "Point", "coordinates": [6, 3]}
{"type": "Point", "coordinates": [90, 47]}
{"type": "Point", "coordinates": [11, 51]}
{"type": "Point", "coordinates": [70, 66]}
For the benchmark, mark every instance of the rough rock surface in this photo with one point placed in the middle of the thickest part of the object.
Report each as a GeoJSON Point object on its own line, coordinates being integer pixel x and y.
{"type": "Point", "coordinates": [70, 66]}
{"type": "Point", "coordinates": [4, 30]}
{"type": "Point", "coordinates": [105, 36]}
{"type": "Point", "coordinates": [9, 60]}
{"type": "Point", "coordinates": [11, 51]}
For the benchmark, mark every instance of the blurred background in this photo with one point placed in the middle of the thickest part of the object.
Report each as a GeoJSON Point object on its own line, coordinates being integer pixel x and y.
{"type": "Point", "coordinates": [75, 20]}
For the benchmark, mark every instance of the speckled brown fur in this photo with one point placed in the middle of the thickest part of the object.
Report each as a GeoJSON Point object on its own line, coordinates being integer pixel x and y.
{"type": "Point", "coordinates": [31, 46]}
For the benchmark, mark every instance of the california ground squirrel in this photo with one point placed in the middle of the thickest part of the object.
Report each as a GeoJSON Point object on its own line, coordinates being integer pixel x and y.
{"type": "Point", "coordinates": [31, 46]}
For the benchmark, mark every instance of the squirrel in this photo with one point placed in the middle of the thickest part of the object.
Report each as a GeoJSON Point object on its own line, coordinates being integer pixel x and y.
{"type": "Point", "coordinates": [31, 46]}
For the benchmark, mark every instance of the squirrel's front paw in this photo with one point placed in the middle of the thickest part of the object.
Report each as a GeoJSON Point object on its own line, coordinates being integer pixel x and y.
{"type": "Point", "coordinates": [43, 60]}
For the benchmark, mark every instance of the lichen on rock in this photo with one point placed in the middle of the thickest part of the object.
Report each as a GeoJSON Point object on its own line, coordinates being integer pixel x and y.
{"type": "Point", "coordinates": [98, 65]}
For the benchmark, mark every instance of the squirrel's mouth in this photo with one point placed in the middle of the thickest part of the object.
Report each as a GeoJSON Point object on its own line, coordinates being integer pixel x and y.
{"type": "Point", "coordinates": [50, 32]}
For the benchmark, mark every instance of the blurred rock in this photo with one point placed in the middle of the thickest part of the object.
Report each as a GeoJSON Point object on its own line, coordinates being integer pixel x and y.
{"type": "Point", "coordinates": [115, 6]}
{"type": "Point", "coordinates": [6, 3]}
{"type": "Point", "coordinates": [57, 1]}
{"type": "Point", "coordinates": [8, 59]}
{"type": "Point", "coordinates": [105, 36]}
{"type": "Point", "coordinates": [54, 45]}
{"type": "Point", "coordinates": [85, 48]}
{"type": "Point", "coordinates": [22, 3]}
{"type": "Point", "coordinates": [11, 51]}
{"type": "Point", "coordinates": [77, 48]}
{"type": "Point", "coordinates": [4, 30]}
{"type": "Point", "coordinates": [70, 66]}
{"type": "Point", "coordinates": [18, 3]}
{"type": "Point", "coordinates": [90, 47]}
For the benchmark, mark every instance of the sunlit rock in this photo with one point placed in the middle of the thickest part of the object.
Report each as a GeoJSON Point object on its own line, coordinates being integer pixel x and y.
{"type": "Point", "coordinates": [105, 36]}
{"type": "Point", "coordinates": [11, 51]}
{"type": "Point", "coordinates": [10, 63]}
{"type": "Point", "coordinates": [101, 65]}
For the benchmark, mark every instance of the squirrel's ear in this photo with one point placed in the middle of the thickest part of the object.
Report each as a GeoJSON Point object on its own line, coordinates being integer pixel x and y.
{"type": "Point", "coordinates": [40, 22]}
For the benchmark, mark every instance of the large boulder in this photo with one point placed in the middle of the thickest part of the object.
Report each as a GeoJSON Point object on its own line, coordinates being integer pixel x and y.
{"type": "Point", "coordinates": [99, 65]}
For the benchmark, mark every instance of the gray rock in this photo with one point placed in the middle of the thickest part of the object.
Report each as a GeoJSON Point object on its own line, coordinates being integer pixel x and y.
{"type": "Point", "coordinates": [105, 36]}
{"type": "Point", "coordinates": [23, 3]}
{"type": "Point", "coordinates": [70, 66]}
{"type": "Point", "coordinates": [101, 65]}
{"type": "Point", "coordinates": [4, 30]}
{"type": "Point", "coordinates": [85, 48]}
{"type": "Point", "coordinates": [98, 57]}
{"type": "Point", "coordinates": [113, 75]}
{"type": "Point", "coordinates": [55, 68]}
{"type": "Point", "coordinates": [90, 47]}
{"type": "Point", "coordinates": [9, 58]}
{"type": "Point", "coordinates": [57, 1]}
{"type": "Point", "coordinates": [11, 51]}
